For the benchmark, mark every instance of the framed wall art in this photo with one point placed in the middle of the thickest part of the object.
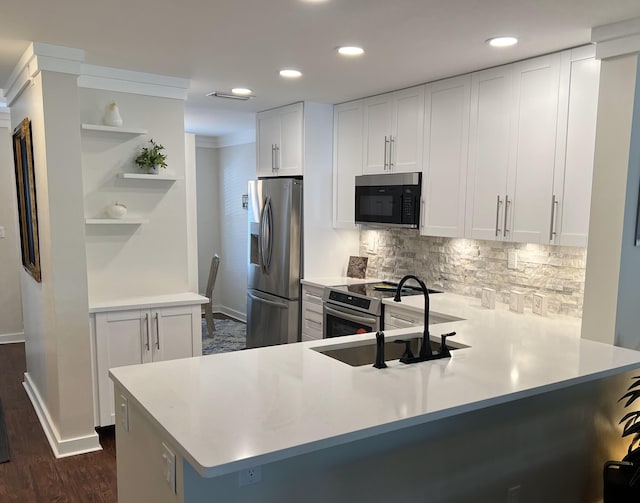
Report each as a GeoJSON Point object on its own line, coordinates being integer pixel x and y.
{"type": "Point", "coordinates": [27, 209]}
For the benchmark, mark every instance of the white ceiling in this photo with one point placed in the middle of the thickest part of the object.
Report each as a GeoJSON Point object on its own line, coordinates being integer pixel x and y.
{"type": "Point", "coordinates": [243, 43]}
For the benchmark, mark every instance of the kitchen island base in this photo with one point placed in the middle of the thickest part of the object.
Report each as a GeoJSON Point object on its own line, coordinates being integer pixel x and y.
{"type": "Point", "coordinates": [551, 446]}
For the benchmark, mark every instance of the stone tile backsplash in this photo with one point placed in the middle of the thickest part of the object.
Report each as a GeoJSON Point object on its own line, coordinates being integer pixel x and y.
{"type": "Point", "coordinates": [466, 266]}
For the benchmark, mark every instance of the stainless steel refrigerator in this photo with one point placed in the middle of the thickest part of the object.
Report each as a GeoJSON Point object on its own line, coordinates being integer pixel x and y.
{"type": "Point", "coordinates": [275, 261]}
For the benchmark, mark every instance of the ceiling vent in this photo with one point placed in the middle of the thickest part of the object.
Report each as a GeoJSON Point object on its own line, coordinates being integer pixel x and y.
{"type": "Point", "coordinates": [218, 94]}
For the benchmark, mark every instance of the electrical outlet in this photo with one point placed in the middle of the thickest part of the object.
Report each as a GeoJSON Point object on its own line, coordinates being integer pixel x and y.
{"type": "Point", "coordinates": [169, 467]}
{"type": "Point", "coordinates": [250, 476]}
{"type": "Point", "coordinates": [124, 410]}
{"type": "Point", "coordinates": [513, 494]}
{"type": "Point", "coordinates": [512, 259]}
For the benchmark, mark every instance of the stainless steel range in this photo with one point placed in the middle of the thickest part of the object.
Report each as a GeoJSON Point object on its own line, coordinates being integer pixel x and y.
{"type": "Point", "coordinates": [358, 309]}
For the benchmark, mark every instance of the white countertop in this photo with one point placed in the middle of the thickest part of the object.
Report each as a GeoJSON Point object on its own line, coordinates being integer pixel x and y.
{"type": "Point", "coordinates": [231, 411]}
{"type": "Point", "coordinates": [337, 280]}
{"type": "Point", "coordinates": [143, 302]}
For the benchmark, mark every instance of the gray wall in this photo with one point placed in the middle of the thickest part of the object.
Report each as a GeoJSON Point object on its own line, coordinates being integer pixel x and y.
{"type": "Point", "coordinates": [223, 175]}
{"type": "Point", "coordinates": [466, 266]}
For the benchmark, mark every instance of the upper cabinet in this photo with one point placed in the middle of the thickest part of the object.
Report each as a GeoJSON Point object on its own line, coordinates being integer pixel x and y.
{"type": "Point", "coordinates": [347, 161]}
{"type": "Point", "coordinates": [393, 132]}
{"type": "Point", "coordinates": [446, 140]}
{"type": "Point", "coordinates": [280, 141]}
{"type": "Point", "coordinates": [577, 111]}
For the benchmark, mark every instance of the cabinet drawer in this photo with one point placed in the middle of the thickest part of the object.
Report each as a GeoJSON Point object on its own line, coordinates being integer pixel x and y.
{"type": "Point", "coordinates": [312, 294]}
{"type": "Point", "coordinates": [401, 319]}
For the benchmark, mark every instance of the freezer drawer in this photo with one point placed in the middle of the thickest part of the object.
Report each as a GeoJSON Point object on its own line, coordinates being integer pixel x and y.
{"type": "Point", "coordinates": [271, 320]}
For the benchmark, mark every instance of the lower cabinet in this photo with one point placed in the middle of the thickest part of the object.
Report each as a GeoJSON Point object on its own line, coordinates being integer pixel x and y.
{"type": "Point", "coordinates": [130, 337]}
{"type": "Point", "coordinates": [401, 318]}
{"type": "Point", "coordinates": [312, 317]}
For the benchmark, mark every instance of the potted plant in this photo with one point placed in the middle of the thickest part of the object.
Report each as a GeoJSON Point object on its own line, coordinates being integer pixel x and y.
{"type": "Point", "coordinates": [151, 158]}
{"type": "Point", "coordinates": [622, 478]}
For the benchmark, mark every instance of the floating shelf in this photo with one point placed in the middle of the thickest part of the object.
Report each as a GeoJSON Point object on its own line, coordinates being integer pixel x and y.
{"type": "Point", "coordinates": [113, 129]}
{"type": "Point", "coordinates": [116, 221]}
{"type": "Point", "coordinates": [144, 176]}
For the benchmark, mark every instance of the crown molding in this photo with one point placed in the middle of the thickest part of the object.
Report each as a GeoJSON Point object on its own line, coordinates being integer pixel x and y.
{"type": "Point", "coordinates": [227, 140]}
{"type": "Point", "coordinates": [5, 118]}
{"type": "Point", "coordinates": [617, 39]}
{"type": "Point", "coordinates": [127, 81]}
{"type": "Point", "coordinates": [39, 57]}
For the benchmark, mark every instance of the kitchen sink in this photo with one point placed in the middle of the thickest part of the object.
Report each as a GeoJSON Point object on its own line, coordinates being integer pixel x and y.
{"type": "Point", "coordinates": [364, 353]}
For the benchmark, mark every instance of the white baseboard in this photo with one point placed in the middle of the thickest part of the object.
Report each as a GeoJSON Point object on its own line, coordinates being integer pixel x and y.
{"type": "Point", "coordinates": [233, 313]}
{"type": "Point", "coordinates": [61, 448]}
{"type": "Point", "coordinates": [11, 338]}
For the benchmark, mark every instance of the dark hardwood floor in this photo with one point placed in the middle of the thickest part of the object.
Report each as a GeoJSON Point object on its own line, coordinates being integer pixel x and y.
{"type": "Point", "coordinates": [34, 475]}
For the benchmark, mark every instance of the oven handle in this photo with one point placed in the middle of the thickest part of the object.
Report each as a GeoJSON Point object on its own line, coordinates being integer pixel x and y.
{"type": "Point", "coordinates": [334, 311]}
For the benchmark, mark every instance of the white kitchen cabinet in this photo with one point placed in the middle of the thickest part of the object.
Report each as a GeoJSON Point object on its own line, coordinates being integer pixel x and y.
{"type": "Point", "coordinates": [571, 200]}
{"type": "Point", "coordinates": [347, 161]}
{"type": "Point", "coordinates": [280, 141]}
{"type": "Point", "coordinates": [446, 140]}
{"type": "Point", "coordinates": [532, 149]}
{"type": "Point", "coordinates": [393, 132]}
{"type": "Point", "coordinates": [488, 152]}
{"type": "Point", "coordinates": [397, 317]}
{"type": "Point", "coordinates": [312, 317]}
{"type": "Point", "coordinates": [134, 336]}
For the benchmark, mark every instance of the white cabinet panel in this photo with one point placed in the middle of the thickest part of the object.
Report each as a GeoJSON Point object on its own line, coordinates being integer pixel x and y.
{"type": "Point", "coordinates": [488, 153]}
{"type": "Point", "coordinates": [312, 315]}
{"type": "Point", "coordinates": [279, 141]}
{"type": "Point", "coordinates": [347, 161]}
{"type": "Point", "coordinates": [446, 140]}
{"type": "Point", "coordinates": [533, 145]}
{"type": "Point", "coordinates": [377, 130]}
{"type": "Point", "coordinates": [173, 329]}
{"type": "Point", "coordinates": [576, 145]}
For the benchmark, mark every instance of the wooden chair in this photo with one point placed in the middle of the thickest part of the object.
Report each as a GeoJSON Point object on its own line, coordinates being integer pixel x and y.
{"type": "Point", "coordinates": [208, 307]}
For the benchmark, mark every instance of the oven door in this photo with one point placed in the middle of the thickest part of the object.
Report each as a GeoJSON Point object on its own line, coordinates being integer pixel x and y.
{"type": "Point", "coordinates": [339, 321]}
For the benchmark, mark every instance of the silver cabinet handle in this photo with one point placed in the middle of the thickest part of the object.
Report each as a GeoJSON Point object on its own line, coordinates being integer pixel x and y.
{"type": "Point", "coordinates": [146, 320]}
{"type": "Point", "coordinates": [422, 213]}
{"type": "Point", "coordinates": [273, 157]}
{"type": "Point", "coordinates": [552, 226]}
{"type": "Point", "coordinates": [406, 320]}
{"type": "Point", "coordinates": [506, 212]}
{"type": "Point", "coordinates": [392, 142]}
{"type": "Point", "coordinates": [277, 163]}
{"type": "Point", "coordinates": [498, 229]}
{"type": "Point", "coordinates": [157, 332]}
{"type": "Point", "coordinates": [386, 143]}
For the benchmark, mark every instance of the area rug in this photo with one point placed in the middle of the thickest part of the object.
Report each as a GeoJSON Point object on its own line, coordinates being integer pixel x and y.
{"type": "Point", "coordinates": [230, 335]}
{"type": "Point", "coordinates": [4, 441]}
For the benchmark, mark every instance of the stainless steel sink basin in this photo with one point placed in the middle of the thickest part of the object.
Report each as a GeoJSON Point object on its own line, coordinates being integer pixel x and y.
{"type": "Point", "coordinates": [357, 355]}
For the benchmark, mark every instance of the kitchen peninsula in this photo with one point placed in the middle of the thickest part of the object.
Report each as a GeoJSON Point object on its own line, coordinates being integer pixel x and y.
{"type": "Point", "coordinates": [286, 423]}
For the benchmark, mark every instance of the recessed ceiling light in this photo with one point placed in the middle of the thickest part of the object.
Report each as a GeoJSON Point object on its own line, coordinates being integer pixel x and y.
{"type": "Point", "coordinates": [290, 74]}
{"type": "Point", "coordinates": [241, 91]}
{"type": "Point", "coordinates": [350, 50]}
{"type": "Point", "coordinates": [502, 41]}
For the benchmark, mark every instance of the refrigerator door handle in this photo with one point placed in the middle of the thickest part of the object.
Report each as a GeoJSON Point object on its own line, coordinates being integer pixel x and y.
{"type": "Point", "coordinates": [265, 301]}
{"type": "Point", "coordinates": [265, 236]}
{"type": "Point", "coordinates": [269, 233]}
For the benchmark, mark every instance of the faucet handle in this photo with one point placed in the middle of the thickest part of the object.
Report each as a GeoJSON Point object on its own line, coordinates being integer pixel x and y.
{"type": "Point", "coordinates": [408, 354]}
{"type": "Point", "coordinates": [380, 363]}
{"type": "Point", "coordinates": [444, 350]}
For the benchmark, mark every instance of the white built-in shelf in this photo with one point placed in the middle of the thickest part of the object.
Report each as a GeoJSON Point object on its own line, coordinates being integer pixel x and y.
{"type": "Point", "coordinates": [145, 176]}
{"type": "Point", "coordinates": [113, 129]}
{"type": "Point", "coordinates": [116, 221]}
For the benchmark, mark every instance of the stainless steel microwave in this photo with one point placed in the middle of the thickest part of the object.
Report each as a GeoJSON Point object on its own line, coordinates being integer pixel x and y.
{"type": "Point", "coordinates": [388, 200]}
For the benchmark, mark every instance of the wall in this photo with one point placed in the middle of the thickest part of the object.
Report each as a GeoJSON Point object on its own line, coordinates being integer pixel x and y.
{"type": "Point", "coordinates": [223, 176]}
{"type": "Point", "coordinates": [627, 312]}
{"type": "Point", "coordinates": [11, 329]}
{"type": "Point", "coordinates": [147, 259]}
{"type": "Point", "coordinates": [465, 266]}
{"type": "Point", "coordinates": [611, 162]}
{"type": "Point", "coordinates": [58, 376]}
{"type": "Point", "coordinates": [208, 200]}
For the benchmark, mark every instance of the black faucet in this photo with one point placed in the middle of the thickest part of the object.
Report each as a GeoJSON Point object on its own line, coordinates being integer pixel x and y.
{"type": "Point", "coordinates": [425, 350]}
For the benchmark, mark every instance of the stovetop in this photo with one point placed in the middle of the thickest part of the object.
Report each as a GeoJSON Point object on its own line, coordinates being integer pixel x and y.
{"type": "Point", "coordinates": [368, 297]}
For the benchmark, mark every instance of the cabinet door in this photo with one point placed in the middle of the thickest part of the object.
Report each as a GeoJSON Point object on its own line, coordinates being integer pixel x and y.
{"type": "Point", "coordinates": [401, 318]}
{"type": "Point", "coordinates": [267, 136]}
{"type": "Point", "coordinates": [488, 153]}
{"type": "Point", "coordinates": [533, 147]}
{"type": "Point", "coordinates": [122, 338]}
{"type": "Point", "coordinates": [376, 134]}
{"type": "Point", "coordinates": [347, 161]}
{"type": "Point", "coordinates": [406, 145]}
{"type": "Point", "coordinates": [289, 150]}
{"type": "Point", "coordinates": [173, 333]}
{"type": "Point", "coordinates": [446, 144]}
{"type": "Point", "coordinates": [580, 78]}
